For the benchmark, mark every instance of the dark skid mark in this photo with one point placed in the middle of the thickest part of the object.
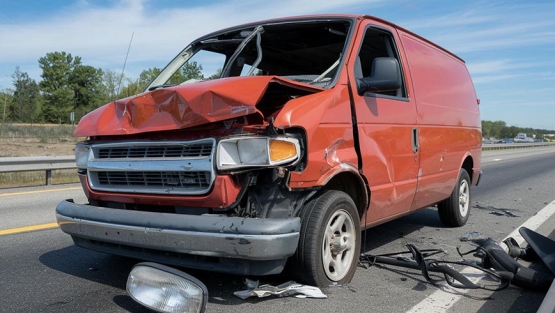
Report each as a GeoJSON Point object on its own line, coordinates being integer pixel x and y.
{"type": "Point", "coordinates": [497, 211]}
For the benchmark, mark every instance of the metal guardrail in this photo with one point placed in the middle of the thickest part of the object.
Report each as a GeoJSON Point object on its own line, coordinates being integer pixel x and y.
{"type": "Point", "coordinates": [503, 146]}
{"type": "Point", "coordinates": [50, 163]}
{"type": "Point", "coordinates": [40, 163]}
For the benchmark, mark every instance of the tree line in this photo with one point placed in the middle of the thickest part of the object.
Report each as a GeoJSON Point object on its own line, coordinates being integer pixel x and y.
{"type": "Point", "coordinates": [499, 130]}
{"type": "Point", "coordinates": [68, 86]}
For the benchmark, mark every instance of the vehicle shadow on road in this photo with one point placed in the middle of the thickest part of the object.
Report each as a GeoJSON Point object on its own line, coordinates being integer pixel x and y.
{"type": "Point", "coordinates": [112, 270]}
{"type": "Point", "coordinates": [97, 267]}
{"type": "Point", "coordinates": [384, 234]}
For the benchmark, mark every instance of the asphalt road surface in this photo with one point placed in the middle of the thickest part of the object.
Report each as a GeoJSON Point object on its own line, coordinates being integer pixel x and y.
{"type": "Point", "coordinates": [42, 271]}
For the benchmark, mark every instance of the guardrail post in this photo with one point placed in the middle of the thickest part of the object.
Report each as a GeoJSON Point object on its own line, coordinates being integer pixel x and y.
{"type": "Point", "coordinates": [45, 164]}
{"type": "Point", "coordinates": [48, 177]}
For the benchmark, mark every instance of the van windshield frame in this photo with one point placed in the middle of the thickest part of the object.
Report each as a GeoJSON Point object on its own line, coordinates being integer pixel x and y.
{"type": "Point", "coordinates": [306, 51]}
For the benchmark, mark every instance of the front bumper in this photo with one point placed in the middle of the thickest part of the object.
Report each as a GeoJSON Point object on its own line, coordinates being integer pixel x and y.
{"type": "Point", "coordinates": [213, 236]}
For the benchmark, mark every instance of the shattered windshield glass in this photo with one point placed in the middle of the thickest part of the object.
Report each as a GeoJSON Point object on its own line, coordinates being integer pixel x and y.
{"type": "Point", "coordinates": [306, 51]}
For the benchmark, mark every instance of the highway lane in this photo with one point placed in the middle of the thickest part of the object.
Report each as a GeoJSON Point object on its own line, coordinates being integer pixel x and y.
{"type": "Point", "coordinates": [33, 205]}
{"type": "Point", "coordinates": [42, 270]}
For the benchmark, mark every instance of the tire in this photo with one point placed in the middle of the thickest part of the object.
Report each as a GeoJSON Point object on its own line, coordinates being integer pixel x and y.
{"type": "Point", "coordinates": [455, 210]}
{"type": "Point", "coordinates": [329, 243]}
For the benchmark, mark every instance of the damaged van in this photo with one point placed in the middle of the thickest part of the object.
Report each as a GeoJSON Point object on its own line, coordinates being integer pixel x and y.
{"type": "Point", "coordinates": [299, 133]}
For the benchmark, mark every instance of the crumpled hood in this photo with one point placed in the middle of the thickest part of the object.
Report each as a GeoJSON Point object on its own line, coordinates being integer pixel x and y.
{"type": "Point", "coordinates": [181, 106]}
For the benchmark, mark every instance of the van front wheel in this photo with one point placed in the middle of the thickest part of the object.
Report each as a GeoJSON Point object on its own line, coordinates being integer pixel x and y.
{"type": "Point", "coordinates": [455, 210]}
{"type": "Point", "coordinates": [329, 244]}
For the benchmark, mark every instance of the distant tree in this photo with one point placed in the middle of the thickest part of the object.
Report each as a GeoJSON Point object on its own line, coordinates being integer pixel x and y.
{"type": "Point", "coordinates": [189, 70]}
{"type": "Point", "coordinates": [25, 105]}
{"type": "Point", "coordinates": [132, 88]}
{"type": "Point", "coordinates": [215, 75]}
{"type": "Point", "coordinates": [147, 76]}
{"type": "Point", "coordinates": [110, 80]}
{"type": "Point", "coordinates": [510, 132]}
{"type": "Point", "coordinates": [6, 99]}
{"type": "Point", "coordinates": [88, 90]}
{"type": "Point", "coordinates": [55, 85]}
{"type": "Point", "coordinates": [69, 86]}
{"type": "Point", "coordinates": [497, 128]}
{"type": "Point", "coordinates": [487, 129]}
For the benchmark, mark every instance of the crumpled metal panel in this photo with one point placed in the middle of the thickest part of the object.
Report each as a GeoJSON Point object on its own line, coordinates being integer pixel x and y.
{"type": "Point", "coordinates": [181, 106]}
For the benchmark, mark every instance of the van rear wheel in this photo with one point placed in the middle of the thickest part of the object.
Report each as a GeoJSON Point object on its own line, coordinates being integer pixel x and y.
{"type": "Point", "coordinates": [329, 244]}
{"type": "Point", "coordinates": [455, 210]}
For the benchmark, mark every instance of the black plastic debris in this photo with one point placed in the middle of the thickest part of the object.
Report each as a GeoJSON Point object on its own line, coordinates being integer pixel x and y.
{"type": "Point", "coordinates": [448, 269]}
{"type": "Point", "coordinates": [542, 246]}
{"type": "Point", "coordinates": [498, 267]}
{"type": "Point", "coordinates": [470, 235]}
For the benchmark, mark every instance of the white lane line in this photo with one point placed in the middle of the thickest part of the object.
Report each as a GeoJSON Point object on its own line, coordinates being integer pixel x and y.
{"type": "Point", "coordinates": [442, 300]}
{"type": "Point", "coordinates": [534, 222]}
{"type": "Point", "coordinates": [496, 160]}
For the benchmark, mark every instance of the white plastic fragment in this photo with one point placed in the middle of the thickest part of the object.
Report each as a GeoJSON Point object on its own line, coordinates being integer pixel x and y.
{"type": "Point", "coordinates": [287, 289]}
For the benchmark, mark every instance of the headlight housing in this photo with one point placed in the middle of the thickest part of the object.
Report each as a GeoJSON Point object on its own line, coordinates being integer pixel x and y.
{"type": "Point", "coordinates": [242, 152]}
{"type": "Point", "coordinates": [165, 289]}
{"type": "Point", "coordinates": [81, 155]}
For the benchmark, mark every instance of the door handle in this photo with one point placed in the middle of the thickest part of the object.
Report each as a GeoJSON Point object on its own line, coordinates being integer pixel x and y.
{"type": "Point", "coordinates": [415, 140]}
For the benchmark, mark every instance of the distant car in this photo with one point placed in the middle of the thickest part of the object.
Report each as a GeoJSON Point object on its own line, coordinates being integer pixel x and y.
{"type": "Point", "coordinates": [493, 140]}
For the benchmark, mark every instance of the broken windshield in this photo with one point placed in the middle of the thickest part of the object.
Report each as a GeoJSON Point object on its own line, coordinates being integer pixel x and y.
{"type": "Point", "coordinates": [304, 51]}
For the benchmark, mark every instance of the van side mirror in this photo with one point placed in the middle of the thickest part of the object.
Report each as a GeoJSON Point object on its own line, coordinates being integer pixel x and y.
{"type": "Point", "coordinates": [385, 76]}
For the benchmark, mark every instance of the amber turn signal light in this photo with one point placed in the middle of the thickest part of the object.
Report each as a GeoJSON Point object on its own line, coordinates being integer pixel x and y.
{"type": "Point", "coordinates": [281, 150]}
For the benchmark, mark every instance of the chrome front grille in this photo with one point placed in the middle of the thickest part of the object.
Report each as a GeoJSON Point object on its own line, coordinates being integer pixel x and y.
{"type": "Point", "coordinates": [169, 151]}
{"type": "Point", "coordinates": [189, 180]}
{"type": "Point", "coordinates": [158, 167]}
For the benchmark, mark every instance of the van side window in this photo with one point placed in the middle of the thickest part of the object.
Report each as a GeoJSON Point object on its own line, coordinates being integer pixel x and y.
{"type": "Point", "coordinates": [377, 43]}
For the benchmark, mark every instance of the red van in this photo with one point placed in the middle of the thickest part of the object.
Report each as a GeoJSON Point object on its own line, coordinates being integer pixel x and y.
{"type": "Point", "coordinates": [299, 133]}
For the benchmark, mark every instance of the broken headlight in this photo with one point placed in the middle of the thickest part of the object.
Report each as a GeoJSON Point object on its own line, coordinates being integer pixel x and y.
{"type": "Point", "coordinates": [165, 289]}
{"type": "Point", "coordinates": [257, 151]}
{"type": "Point", "coordinates": [81, 155]}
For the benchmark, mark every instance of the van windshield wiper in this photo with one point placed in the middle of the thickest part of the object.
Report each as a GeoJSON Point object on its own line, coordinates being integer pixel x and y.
{"type": "Point", "coordinates": [161, 86]}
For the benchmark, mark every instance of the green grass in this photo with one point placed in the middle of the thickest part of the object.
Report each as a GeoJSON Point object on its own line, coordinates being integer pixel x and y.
{"type": "Point", "coordinates": [37, 178]}
{"type": "Point", "coordinates": [44, 132]}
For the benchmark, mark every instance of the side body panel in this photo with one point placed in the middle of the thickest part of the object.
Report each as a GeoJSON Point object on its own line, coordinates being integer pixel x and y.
{"type": "Point", "coordinates": [448, 118]}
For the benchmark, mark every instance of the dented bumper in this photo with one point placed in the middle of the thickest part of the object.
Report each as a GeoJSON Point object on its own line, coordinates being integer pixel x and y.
{"type": "Point", "coordinates": [119, 231]}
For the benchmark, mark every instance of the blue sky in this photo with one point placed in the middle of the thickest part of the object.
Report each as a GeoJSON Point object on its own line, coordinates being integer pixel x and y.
{"type": "Point", "coordinates": [509, 46]}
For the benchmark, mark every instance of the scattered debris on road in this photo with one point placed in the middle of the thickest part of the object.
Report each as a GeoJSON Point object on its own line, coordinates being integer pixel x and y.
{"type": "Point", "coordinates": [499, 268]}
{"type": "Point", "coordinates": [497, 211]}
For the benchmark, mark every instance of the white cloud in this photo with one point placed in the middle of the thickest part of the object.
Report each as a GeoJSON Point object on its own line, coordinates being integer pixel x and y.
{"type": "Point", "coordinates": [520, 103]}
{"type": "Point", "coordinates": [490, 71]}
{"type": "Point", "coordinates": [490, 26]}
{"type": "Point", "coordinates": [100, 35]}
{"type": "Point", "coordinates": [492, 78]}
{"type": "Point", "coordinates": [489, 66]}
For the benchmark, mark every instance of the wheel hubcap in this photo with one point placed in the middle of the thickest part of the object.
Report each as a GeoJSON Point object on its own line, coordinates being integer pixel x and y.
{"type": "Point", "coordinates": [464, 196]}
{"type": "Point", "coordinates": [339, 241]}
